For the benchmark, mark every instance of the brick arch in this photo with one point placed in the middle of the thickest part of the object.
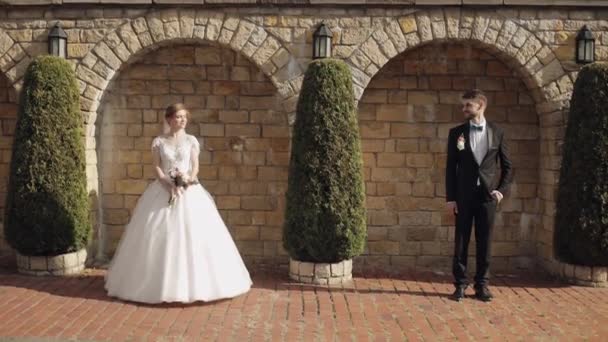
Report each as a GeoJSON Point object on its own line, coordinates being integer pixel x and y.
{"type": "Point", "coordinates": [125, 45]}
{"type": "Point", "coordinates": [157, 29]}
{"type": "Point", "coordinates": [13, 60]}
{"type": "Point", "coordinates": [234, 108]}
{"type": "Point", "coordinates": [514, 45]}
{"type": "Point", "coordinates": [404, 116]}
{"type": "Point", "coordinates": [518, 47]}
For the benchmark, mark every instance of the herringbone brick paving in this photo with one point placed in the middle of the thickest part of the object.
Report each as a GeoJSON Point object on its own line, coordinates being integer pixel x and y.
{"type": "Point", "coordinates": [409, 307]}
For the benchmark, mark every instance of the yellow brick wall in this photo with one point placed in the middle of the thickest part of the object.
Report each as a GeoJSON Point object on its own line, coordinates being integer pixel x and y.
{"type": "Point", "coordinates": [105, 40]}
{"type": "Point", "coordinates": [235, 114]}
{"type": "Point", "coordinates": [405, 115]}
{"type": "Point", "coordinates": [8, 116]}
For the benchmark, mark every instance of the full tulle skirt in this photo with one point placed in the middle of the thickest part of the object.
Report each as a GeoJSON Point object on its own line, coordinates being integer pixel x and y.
{"type": "Point", "coordinates": [179, 253]}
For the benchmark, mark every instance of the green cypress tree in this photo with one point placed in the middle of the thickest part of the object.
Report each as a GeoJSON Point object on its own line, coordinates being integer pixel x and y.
{"type": "Point", "coordinates": [581, 220]}
{"type": "Point", "coordinates": [47, 205]}
{"type": "Point", "coordinates": [325, 211]}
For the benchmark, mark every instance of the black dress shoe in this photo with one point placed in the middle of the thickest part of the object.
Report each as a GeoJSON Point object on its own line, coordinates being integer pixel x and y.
{"type": "Point", "coordinates": [458, 294]}
{"type": "Point", "coordinates": [483, 294]}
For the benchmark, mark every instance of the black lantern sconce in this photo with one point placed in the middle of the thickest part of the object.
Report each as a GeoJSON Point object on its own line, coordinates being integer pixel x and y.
{"type": "Point", "coordinates": [585, 46]}
{"type": "Point", "coordinates": [58, 41]}
{"type": "Point", "coordinates": [321, 42]}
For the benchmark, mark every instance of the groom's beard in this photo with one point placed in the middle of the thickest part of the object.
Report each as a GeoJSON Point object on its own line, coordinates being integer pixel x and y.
{"type": "Point", "coordinates": [470, 115]}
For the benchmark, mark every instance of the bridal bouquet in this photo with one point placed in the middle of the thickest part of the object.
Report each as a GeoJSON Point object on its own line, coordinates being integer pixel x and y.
{"type": "Point", "coordinates": [180, 183]}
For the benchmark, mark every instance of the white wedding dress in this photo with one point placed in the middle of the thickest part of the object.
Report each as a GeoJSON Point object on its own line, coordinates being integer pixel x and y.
{"type": "Point", "coordinates": [180, 253]}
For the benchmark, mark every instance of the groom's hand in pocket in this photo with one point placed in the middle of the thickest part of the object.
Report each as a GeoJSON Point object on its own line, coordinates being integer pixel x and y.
{"type": "Point", "coordinates": [452, 207]}
{"type": "Point", "coordinates": [497, 195]}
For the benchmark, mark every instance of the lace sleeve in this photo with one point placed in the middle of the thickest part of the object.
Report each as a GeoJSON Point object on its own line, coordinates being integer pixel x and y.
{"type": "Point", "coordinates": [156, 144]}
{"type": "Point", "coordinates": [195, 144]}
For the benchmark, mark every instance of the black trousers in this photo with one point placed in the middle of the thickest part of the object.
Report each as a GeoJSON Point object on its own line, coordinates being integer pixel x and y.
{"type": "Point", "coordinates": [482, 211]}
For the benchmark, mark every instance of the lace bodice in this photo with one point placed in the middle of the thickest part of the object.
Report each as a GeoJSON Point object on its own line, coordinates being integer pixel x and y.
{"type": "Point", "coordinates": [178, 156]}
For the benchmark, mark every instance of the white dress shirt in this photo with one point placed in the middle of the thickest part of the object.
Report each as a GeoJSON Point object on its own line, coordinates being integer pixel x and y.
{"type": "Point", "coordinates": [479, 141]}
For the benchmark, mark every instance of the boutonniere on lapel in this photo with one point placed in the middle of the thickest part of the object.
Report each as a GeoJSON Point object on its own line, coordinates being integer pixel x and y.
{"type": "Point", "coordinates": [460, 143]}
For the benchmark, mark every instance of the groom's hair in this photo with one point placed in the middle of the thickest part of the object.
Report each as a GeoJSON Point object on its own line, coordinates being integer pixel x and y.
{"type": "Point", "coordinates": [475, 94]}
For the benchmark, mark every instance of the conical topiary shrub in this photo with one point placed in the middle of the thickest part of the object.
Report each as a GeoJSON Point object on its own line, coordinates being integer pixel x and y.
{"type": "Point", "coordinates": [47, 205]}
{"type": "Point", "coordinates": [325, 212]}
{"type": "Point", "coordinates": [581, 220]}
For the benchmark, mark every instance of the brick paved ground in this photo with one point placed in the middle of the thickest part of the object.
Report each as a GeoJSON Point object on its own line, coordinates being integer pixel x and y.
{"type": "Point", "coordinates": [412, 307]}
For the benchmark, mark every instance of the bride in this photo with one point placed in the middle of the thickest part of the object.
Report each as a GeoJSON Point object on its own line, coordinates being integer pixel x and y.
{"type": "Point", "coordinates": [176, 248]}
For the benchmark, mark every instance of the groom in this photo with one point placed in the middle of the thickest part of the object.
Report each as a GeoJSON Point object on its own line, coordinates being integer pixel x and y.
{"type": "Point", "coordinates": [476, 150]}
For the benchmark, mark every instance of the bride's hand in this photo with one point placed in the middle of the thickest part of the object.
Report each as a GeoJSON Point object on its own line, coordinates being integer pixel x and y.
{"type": "Point", "coordinates": [166, 182]}
{"type": "Point", "coordinates": [175, 191]}
{"type": "Point", "coordinates": [191, 179]}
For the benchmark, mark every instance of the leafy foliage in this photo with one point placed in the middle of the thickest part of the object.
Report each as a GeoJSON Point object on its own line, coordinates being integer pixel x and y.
{"type": "Point", "coordinates": [47, 205]}
{"type": "Point", "coordinates": [325, 212]}
{"type": "Point", "coordinates": [581, 222]}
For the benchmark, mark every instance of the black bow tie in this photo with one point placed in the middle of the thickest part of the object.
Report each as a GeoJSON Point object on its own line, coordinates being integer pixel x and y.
{"type": "Point", "coordinates": [476, 127]}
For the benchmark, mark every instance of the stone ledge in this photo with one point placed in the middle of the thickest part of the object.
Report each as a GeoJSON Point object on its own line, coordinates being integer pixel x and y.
{"type": "Point", "coordinates": [321, 273]}
{"type": "Point", "coordinates": [580, 275]}
{"type": "Point", "coordinates": [64, 264]}
{"type": "Point", "coordinates": [392, 3]}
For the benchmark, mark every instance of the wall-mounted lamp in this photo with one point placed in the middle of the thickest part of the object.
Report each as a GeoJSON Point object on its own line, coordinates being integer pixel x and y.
{"type": "Point", "coordinates": [321, 42]}
{"type": "Point", "coordinates": [585, 46]}
{"type": "Point", "coordinates": [58, 41]}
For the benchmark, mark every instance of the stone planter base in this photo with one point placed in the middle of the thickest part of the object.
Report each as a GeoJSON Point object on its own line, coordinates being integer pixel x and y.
{"type": "Point", "coordinates": [321, 274]}
{"type": "Point", "coordinates": [63, 264]}
{"type": "Point", "coordinates": [580, 275]}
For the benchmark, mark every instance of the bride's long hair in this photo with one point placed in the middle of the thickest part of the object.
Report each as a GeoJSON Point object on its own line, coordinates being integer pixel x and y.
{"type": "Point", "coordinates": [170, 113]}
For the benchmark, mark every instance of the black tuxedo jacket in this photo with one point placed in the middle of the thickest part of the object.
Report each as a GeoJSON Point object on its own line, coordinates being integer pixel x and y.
{"type": "Point", "coordinates": [462, 171]}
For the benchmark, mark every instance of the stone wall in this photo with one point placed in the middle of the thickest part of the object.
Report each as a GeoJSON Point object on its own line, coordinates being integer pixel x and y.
{"type": "Point", "coordinates": [236, 114]}
{"type": "Point", "coordinates": [8, 116]}
{"type": "Point", "coordinates": [535, 45]}
{"type": "Point", "coordinates": [405, 115]}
